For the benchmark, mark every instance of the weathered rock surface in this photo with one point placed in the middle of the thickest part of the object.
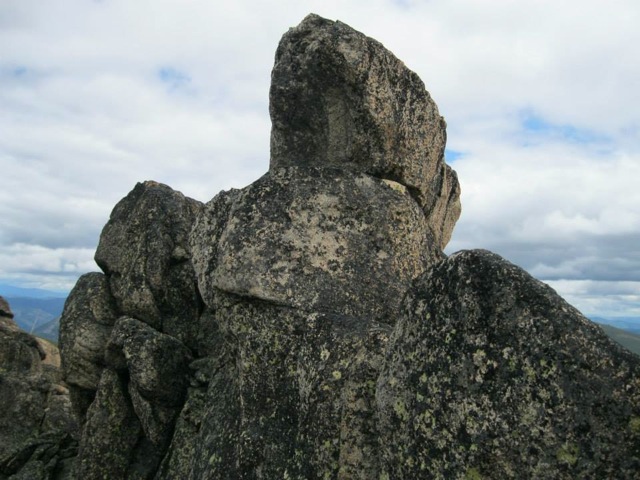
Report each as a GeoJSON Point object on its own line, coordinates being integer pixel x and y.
{"type": "Point", "coordinates": [128, 335]}
{"type": "Point", "coordinates": [36, 423]}
{"type": "Point", "coordinates": [90, 313]}
{"type": "Point", "coordinates": [340, 98]}
{"type": "Point", "coordinates": [490, 374]}
{"type": "Point", "coordinates": [309, 325]}
{"type": "Point", "coordinates": [291, 397]}
{"type": "Point", "coordinates": [111, 433]}
{"type": "Point", "coordinates": [157, 367]}
{"type": "Point", "coordinates": [144, 253]}
{"type": "Point", "coordinates": [316, 239]}
{"type": "Point", "coordinates": [46, 457]}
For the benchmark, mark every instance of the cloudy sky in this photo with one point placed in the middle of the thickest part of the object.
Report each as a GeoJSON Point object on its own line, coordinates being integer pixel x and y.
{"type": "Point", "coordinates": [542, 101]}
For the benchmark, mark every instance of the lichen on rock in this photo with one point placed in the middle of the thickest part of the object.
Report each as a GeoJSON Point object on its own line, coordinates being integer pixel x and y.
{"type": "Point", "coordinates": [309, 325]}
{"type": "Point", "coordinates": [489, 369]}
{"type": "Point", "coordinates": [340, 98]}
{"type": "Point", "coordinates": [144, 253]}
{"type": "Point", "coordinates": [316, 239]}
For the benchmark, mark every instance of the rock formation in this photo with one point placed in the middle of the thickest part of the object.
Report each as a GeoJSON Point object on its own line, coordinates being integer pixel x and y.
{"type": "Point", "coordinates": [37, 428]}
{"type": "Point", "coordinates": [340, 98]}
{"type": "Point", "coordinates": [128, 335]}
{"type": "Point", "coordinates": [310, 325]}
{"type": "Point", "coordinates": [490, 374]}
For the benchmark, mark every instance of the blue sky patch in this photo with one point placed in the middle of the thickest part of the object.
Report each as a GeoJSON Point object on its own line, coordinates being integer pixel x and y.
{"type": "Point", "coordinates": [15, 72]}
{"type": "Point", "coordinates": [403, 3]}
{"type": "Point", "coordinates": [19, 71]}
{"type": "Point", "coordinates": [452, 155]}
{"type": "Point", "coordinates": [536, 125]}
{"type": "Point", "coordinates": [173, 78]}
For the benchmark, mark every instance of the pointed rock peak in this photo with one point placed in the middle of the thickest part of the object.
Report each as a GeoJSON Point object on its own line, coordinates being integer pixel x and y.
{"type": "Point", "coordinates": [339, 98]}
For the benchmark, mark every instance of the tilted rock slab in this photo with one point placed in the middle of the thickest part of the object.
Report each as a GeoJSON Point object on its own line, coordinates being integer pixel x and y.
{"type": "Point", "coordinates": [340, 98]}
{"type": "Point", "coordinates": [490, 374]}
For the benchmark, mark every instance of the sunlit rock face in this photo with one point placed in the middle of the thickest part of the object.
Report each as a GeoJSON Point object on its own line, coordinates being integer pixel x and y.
{"type": "Point", "coordinates": [309, 325]}
{"type": "Point", "coordinates": [315, 239]}
{"type": "Point", "coordinates": [340, 98]}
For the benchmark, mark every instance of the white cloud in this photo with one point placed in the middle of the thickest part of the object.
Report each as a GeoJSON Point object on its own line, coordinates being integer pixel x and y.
{"type": "Point", "coordinates": [539, 96]}
{"type": "Point", "coordinates": [54, 269]}
{"type": "Point", "coordinates": [597, 298]}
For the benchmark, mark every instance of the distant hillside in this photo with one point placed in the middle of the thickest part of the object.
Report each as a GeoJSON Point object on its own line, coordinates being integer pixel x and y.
{"type": "Point", "coordinates": [9, 291]}
{"type": "Point", "coordinates": [630, 341]}
{"type": "Point", "coordinates": [49, 330]}
{"type": "Point", "coordinates": [40, 316]}
{"type": "Point", "coordinates": [630, 324]}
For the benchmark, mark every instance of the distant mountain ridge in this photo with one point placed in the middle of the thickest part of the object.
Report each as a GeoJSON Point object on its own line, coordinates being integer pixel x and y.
{"type": "Point", "coordinates": [38, 316]}
{"type": "Point", "coordinates": [629, 324]}
{"type": "Point", "coordinates": [9, 291]}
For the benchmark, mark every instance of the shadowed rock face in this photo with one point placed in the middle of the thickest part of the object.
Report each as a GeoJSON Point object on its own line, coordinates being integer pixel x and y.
{"type": "Point", "coordinates": [144, 253]}
{"type": "Point", "coordinates": [5, 309]}
{"type": "Point", "coordinates": [127, 336]}
{"type": "Point", "coordinates": [309, 325]}
{"type": "Point", "coordinates": [37, 427]}
{"type": "Point", "coordinates": [90, 313]}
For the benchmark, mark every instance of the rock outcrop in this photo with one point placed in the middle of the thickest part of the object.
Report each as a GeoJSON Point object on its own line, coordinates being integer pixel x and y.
{"type": "Point", "coordinates": [340, 98]}
{"type": "Point", "coordinates": [37, 428]}
{"type": "Point", "coordinates": [310, 325]}
{"type": "Point", "coordinates": [490, 374]}
{"type": "Point", "coordinates": [6, 315]}
{"type": "Point", "coordinates": [314, 238]}
{"type": "Point", "coordinates": [90, 313]}
{"type": "Point", "coordinates": [129, 334]}
{"type": "Point", "coordinates": [144, 252]}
